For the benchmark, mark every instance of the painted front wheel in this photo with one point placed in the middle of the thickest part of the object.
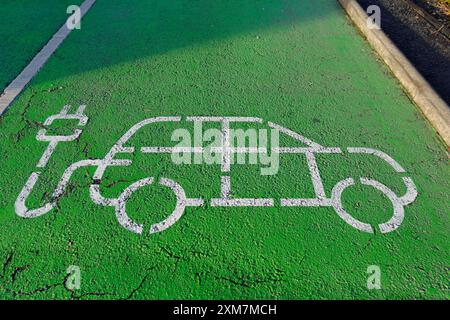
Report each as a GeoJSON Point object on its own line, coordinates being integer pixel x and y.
{"type": "Point", "coordinates": [393, 223]}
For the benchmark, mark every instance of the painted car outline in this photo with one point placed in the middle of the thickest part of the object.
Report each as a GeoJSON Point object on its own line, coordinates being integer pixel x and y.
{"type": "Point", "coordinates": [225, 200]}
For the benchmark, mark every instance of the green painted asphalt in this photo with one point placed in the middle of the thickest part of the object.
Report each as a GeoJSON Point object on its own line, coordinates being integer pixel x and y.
{"type": "Point", "coordinates": [25, 27]}
{"type": "Point", "coordinates": [300, 64]}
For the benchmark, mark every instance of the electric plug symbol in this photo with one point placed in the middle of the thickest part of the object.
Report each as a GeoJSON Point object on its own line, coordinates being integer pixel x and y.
{"type": "Point", "coordinates": [54, 140]}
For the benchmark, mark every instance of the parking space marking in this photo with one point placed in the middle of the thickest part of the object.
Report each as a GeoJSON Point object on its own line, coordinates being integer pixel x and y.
{"type": "Point", "coordinates": [19, 83]}
{"type": "Point", "coordinates": [226, 199]}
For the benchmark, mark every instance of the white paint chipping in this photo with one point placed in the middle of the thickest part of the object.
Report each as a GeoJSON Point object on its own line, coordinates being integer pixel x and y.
{"type": "Point", "coordinates": [65, 115]}
{"type": "Point", "coordinates": [242, 202]}
{"type": "Point", "coordinates": [211, 149]}
{"type": "Point", "coordinates": [305, 202]}
{"type": "Point", "coordinates": [411, 191]}
{"type": "Point", "coordinates": [226, 144]}
{"type": "Point", "coordinates": [20, 206]}
{"type": "Point", "coordinates": [120, 204]}
{"type": "Point", "coordinates": [221, 119]}
{"type": "Point", "coordinates": [225, 187]}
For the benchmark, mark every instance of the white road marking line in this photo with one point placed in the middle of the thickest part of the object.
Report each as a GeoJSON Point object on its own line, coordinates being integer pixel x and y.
{"type": "Point", "coordinates": [295, 135]}
{"type": "Point", "coordinates": [394, 164]}
{"type": "Point", "coordinates": [54, 140]}
{"type": "Point", "coordinates": [16, 87]}
{"type": "Point", "coordinates": [411, 191]}
{"type": "Point", "coordinates": [315, 175]}
{"type": "Point", "coordinates": [225, 187]}
{"type": "Point", "coordinates": [242, 202]}
{"type": "Point", "coordinates": [48, 152]}
{"type": "Point", "coordinates": [182, 202]}
{"type": "Point", "coordinates": [121, 214]}
{"type": "Point", "coordinates": [337, 204]}
{"type": "Point", "coordinates": [202, 149]}
{"type": "Point", "coordinates": [305, 202]}
{"type": "Point", "coordinates": [221, 119]}
{"type": "Point", "coordinates": [399, 211]}
{"type": "Point", "coordinates": [21, 208]}
{"type": "Point", "coordinates": [64, 115]}
{"type": "Point", "coordinates": [226, 144]}
{"type": "Point", "coordinates": [237, 150]}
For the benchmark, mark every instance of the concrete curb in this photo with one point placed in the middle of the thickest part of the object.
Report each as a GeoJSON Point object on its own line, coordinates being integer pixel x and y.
{"type": "Point", "coordinates": [433, 107]}
{"type": "Point", "coordinates": [19, 83]}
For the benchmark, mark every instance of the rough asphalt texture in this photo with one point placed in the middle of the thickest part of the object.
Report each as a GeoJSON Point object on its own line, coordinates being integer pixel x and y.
{"type": "Point", "coordinates": [427, 49]}
{"type": "Point", "coordinates": [300, 64]}
{"type": "Point", "coordinates": [440, 9]}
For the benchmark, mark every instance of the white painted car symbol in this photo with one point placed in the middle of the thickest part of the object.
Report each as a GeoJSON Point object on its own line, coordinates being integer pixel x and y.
{"type": "Point", "coordinates": [224, 200]}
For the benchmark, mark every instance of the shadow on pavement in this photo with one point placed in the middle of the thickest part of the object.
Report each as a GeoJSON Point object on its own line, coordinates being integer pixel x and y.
{"type": "Point", "coordinates": [425, 48]}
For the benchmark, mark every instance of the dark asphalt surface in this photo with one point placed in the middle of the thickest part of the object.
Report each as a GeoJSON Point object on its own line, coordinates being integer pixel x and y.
{"type": "Point", "coordinates": [433, 8]}
{"type": "Point", "coordinates": [427, 49]}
